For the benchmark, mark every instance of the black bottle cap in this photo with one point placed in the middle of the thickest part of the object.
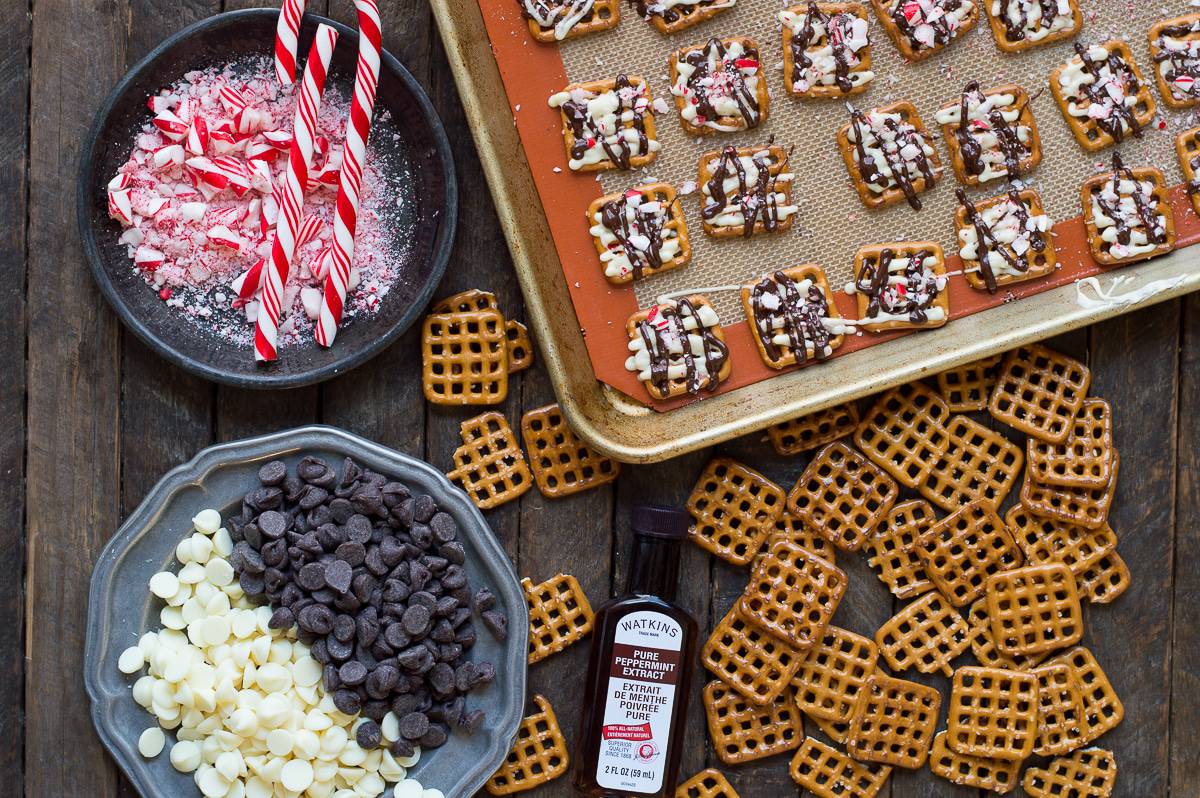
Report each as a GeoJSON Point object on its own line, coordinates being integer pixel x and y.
{"type": "Point", "coordinates": [659, 521]}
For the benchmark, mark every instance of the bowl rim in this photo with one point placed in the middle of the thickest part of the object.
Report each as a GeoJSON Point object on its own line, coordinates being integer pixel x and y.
{"type": "Point", "coordinates": [249, 451]}
{"type": "Point", "coordinates": [441, 248]}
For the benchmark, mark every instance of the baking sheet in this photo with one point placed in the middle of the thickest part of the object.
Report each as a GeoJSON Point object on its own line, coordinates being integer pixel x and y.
{"type": "Point", "coordinates": [832, 223]}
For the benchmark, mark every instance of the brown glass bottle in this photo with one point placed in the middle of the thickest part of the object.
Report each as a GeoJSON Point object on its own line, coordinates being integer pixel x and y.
{"type": "Point", "coordinates": [639, 674]}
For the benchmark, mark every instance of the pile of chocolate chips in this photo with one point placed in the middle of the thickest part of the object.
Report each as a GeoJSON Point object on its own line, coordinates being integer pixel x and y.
{"type": "Point", "coordinates": [374, 578]}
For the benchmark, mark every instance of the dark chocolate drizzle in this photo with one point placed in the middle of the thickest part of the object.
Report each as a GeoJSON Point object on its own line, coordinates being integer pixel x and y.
{"type": "Point", "coordinates": [942, 32]}
{"type": "Point", "coordinates": [754, 200]}
{"type": "Point", "coordinates": [1182, 64]}
{"type": "Point", "coordinates": [969, 146]}
{"type": "Point", "coordinates": [1147, 214]}
{"type": "Point", "coordinates": [870, 171]}
{"type": "Point", "coordinates": [532, 9]}
{"type": "Point", "coordinates": [584, 128]}
{"type": "Point", "coordinates": [987, 240]}
{"type": "Point", "coordinates": [715, 350]}
{"type": "Point", "coordinates": [1015, 31]}
{"type": "Point", "coordinates": [919, 281]}
{"type": "Point", "coordinates": [841, 54]}
{"type": "Point", "coordinates": [729, 74]}
{"type": "Point", "coordinates": [1094, 92]}
{"type": "Point", "coordinates": [802, 318]}
{"type": "Point", "coordinates": [650, 224]}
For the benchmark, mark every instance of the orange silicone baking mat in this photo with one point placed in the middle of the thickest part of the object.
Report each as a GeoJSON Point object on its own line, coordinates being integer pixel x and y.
{"type": "Point", "coordinates": [832, 222]}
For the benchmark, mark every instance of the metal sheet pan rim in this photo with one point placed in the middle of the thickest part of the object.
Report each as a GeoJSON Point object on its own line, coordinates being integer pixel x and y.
{"type": "Point", "coordinates": [621, 428]}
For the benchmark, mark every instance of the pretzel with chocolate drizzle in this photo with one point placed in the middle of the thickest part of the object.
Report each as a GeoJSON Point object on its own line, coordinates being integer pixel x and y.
{"type": "Point", "coordinates": [678, 347]}
{"type": "Point", "coordinates": [1102, 95]}
{"type": "Point", "coordinates": [889, 155]}
{"type": "Point", "coordinates": [826, 49]}
{"type": "Point", "coordinates": [990, 134]}
{"type": "Point", "coordinates": [1004, 239]}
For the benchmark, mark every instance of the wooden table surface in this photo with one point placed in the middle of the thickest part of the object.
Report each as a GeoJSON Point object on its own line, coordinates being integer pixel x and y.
{"type": "Point", "coordinates": [90, 419]}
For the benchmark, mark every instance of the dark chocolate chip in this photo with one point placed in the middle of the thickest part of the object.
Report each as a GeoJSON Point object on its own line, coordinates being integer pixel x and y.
{"type": "Point", "coordinates": [424, 508]}
{"type": "Point", "coordinates": [273, 473]}
{"type": "Point", "coordinates": [441, 680]}
{"type": "Point", "coordinates": [434, 738]}
{"type": "Point", "coordinates": [347, 701]}
{"type": "Point", "coordinates": [251, 584]}
{"type": "Point", "coordinates": [444, 527]}
{"type": "Point", "coordinates": [272, 524]}
{"type": "Point", "coordinates": [352, 673]}
{"type": "Point", "coordinates": [471, 721]}
{"type": "Point", "coordinates": [344, 628]}
{"type": "Point", "coordinates": [312, 576]}
{"type": "Point", "coordinates": [496, 623]}
{"type": "Point", "coordinates": [368, 735]}
{"type": "Point", "coordinates": [338, 574]}
{"type": "Point", "coordinates": [413, 726]}
{"type": "Point", "coordinates": [282, 618]}
{"type": "Point", "coordinates": [351, 552]}
{"type": "Point", "coordinates": [416, 620]}
{"type": "Point", "coordinates": [330, 678]}
{"type": "Point", "coordinates": [402, 748]}
{"type": "Point", "coordinates": [316, 618]}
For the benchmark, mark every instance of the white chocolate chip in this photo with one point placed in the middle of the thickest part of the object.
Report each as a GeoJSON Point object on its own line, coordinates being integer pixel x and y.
{"type": "Point", "coordinates": [131, 660]}
{"type": "Point", "coordinates": [207, 521]}
{"type": "Point", "coordinates": [185, 756]}
{"type": "Point", "coordinates": [151, 742]}
{"type": "Point", "coordinates": [296, 775]}
{"type": "Point", "coordinates": [164, 584]}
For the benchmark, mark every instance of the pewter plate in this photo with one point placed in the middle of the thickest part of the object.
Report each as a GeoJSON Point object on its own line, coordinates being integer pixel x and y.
{"type": "Point", "coordinates": [121, 608]}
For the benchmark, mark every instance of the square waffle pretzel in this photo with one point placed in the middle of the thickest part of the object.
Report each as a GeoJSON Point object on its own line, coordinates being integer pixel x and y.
{"type": "Point", "coordinates": [977, 464]}
{"type": "Point", "coordinates": [868, 260]}
{"type": "Point", "coordinates": [710, 783]}
{"type": "Point", "coordinates": [1104, 579]}
{"type": "Point", "coordinates": [474, 300]}
{"type": "Point", "coordinates": [602, 15]}
{"type": "Point", "coordinates": [1187, 147]}
{"type": "Point", "coordinates": [1047, 540]}
{"type": "Point", "coordinates": [1090, 773]}
{"type": "Point", "coordinates": [828, 773]}
{"type": "Point", "coordinates": [743, 732]}
{"type": "Point", "coordinates": [714, 347]}
{"type": "Point", "coordinates": [816, 429]}
{"type": "Point", "coordinates": [966, 770]}
{"type": "Point", "coordinates": [1184, 28]}
{"type": "Point", "coordinates": [538, 756]}
{"type": "Point", "coordinates": [734, 508]}
{"type": "Point", "coordinates": [1102, 708]}
{"type": "Point", "coordinates": [685, 15]}
{"type": "Point", "coordinates": [792, 594]}
{"type": "Point", "coordinates": [1031, 150]}
{"type": "Point", "coordinates": [842, 495]}
{"type": "Point", "coordinates": [926, 634]}
{"type": "Point", "coordinates": [489, 465]}
{"type": "Point", "coordinates": [789, 527]}
{"type": "Point", "coordinates": [1087, 507]}
{"type": "Point", "coordinates": [465, 358]}
{"type": "Point", "coordinates": [892, 550]}
{"type": "Point", "coordinates": [1039, 392]}
{"type": "Point", "coordinates": [667, 220]}
{"type": "Point", "coordinates": [903, 433]}
{"type": "Point", "coordinates": [1031, 35]}
{"type": "Point", "coordinates": [1060, 711]}
{"type": "Point", "coordinates": [628, 119]}
{"type": "Point", "coordinates": [751, 57]}
{"type": "Point", "coordinates": [993, 213]}
{"type": "Point", "coordinates": [1087, 131]}
{"type": "Point", "coordinates": [1034, 609]}
{"type": "Point", "coordinates": [781, 180]}
{"type": "Point", "coordinates": [559, 615]}
{"type": "Point", "coordinates": [893, 722]}
{"type": "Point", "coordinates": [892, 193]}
{"type": "Point", "coordinates": [984, 646]}
{"type": "Point", "coordinates": [749, 660]}
{"type": "Point", "coordinates": [562, 464]}
{"type": "Point", "coordinates": [795, 21]}
{"type": "Point", "coordinates": [993, 713]}
{"type": "Point", "coordinates": [966, 547]}
{"type": "Point", "coordinates": [1085, 458]}
{"type": "Point", "coordinates": [1105, 252]}
{"type": "Point", "coordinates": [967, 387]}
{"type": "Point", "coordinates": [891, 11]}
{"type": "Point", "coordinates": [832, 674]}
{"type": "Point", "coordinates": [779, 346]}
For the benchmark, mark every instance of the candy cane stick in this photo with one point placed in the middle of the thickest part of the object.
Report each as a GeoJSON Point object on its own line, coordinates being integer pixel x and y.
{"type": "Point", "coordinates": [354, 154]}
{"type": "Point", "coordinates": [291, 204]}
{"type": "Point", "coordinates": [287, 35]}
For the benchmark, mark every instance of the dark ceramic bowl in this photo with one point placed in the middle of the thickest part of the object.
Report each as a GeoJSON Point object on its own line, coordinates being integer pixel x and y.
{"type": "Point", "coordinates": [419, 142]}
{"type": "Point", "coordinates": [121, 608]}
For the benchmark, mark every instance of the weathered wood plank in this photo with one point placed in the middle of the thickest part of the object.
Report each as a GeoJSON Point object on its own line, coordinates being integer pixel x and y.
{"type": "Point", "coordinates": [1135, 367]}
{"type": "Point", "coordinates": [1185, 659]}
{"type": "Point", "coordinates": [73, 392]}
{"type": "Point", "coordinates": [14, 142]}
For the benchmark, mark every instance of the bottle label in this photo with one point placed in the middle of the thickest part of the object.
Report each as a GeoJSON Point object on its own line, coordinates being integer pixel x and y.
{"type": "Point", "coordinates": [639, 703]}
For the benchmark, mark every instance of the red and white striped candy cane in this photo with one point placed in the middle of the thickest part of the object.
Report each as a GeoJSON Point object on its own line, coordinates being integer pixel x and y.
{"type": "Point", "coordinates": [292, 196]}
{"type": "Point", "coordinates": [354, 154]}
{"type": "Point", "coordinates": [287, 39]}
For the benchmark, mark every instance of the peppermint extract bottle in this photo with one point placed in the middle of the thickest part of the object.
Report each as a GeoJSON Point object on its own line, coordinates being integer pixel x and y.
{"type": "Point", "coordinates": [639, 673]}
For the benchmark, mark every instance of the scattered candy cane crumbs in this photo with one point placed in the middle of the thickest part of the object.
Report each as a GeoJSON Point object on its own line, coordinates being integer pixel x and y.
{"type": "Point", "coordinates": [250, 716]}
{"type": "Point", "coordinates": [195, 201]}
